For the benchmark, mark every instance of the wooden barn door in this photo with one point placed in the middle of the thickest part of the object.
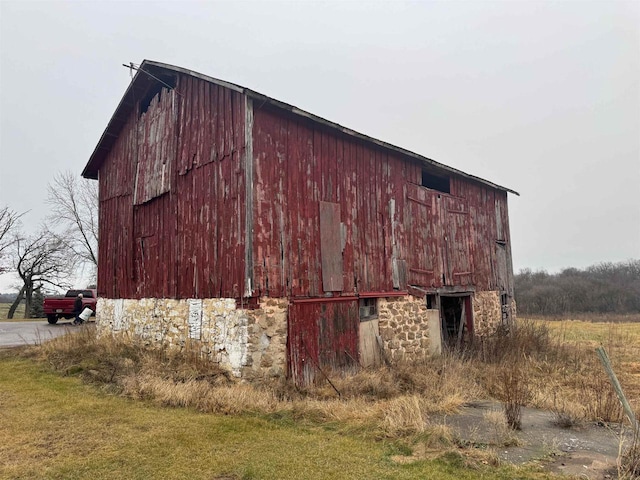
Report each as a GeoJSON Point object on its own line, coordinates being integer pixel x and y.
{"type": "Point", "coordinates": [423, 238]}
{"type": "Point", "coordinates": [458, 264]}
{"type": "Point", "coordinates": [322, 336]}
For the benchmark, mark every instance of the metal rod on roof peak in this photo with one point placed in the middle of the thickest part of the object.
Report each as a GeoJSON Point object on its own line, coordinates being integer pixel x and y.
{"type": "Point", "coordinates": [132, 67]}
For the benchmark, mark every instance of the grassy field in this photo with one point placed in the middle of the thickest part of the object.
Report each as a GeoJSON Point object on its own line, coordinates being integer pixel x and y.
{"type": "Point", "coordinates": [4, 309]}
{"type": "Point", "coordinates": [620, 338]}
{"type": "Point", "coordinates": [84, 407]}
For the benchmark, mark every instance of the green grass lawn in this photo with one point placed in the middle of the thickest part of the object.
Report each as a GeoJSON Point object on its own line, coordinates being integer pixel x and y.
{"type": "Point", "coordinates": [59, 428]}
{"type": "Point", "coordinates": [18, 315]}
{"type": "Point", "coordinates": [4, 309]}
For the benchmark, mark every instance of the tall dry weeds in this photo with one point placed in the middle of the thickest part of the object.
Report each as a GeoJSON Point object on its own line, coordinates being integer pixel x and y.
{"type": "Point", "coordinates": [520, 366]}
{"type": "Point", "coordinates": [628, 461]}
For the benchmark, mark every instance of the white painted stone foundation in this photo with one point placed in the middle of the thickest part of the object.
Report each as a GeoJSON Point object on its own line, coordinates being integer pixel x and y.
{"type": "Point", "coordinates": [243, 341]}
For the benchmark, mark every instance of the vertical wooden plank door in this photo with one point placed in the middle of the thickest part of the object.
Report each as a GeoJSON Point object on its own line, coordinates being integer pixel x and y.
{"type": "Point", "coordinates": [322, 336]}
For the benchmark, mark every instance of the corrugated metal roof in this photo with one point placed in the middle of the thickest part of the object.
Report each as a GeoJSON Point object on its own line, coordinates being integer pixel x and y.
{"type": "Point", "coordinates": [150, 70]}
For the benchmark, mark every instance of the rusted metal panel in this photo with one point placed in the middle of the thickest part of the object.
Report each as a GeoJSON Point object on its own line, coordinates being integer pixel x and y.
{"type": "Point", "coordinates": [322, 336]}
{"type": "Point", "coordinates": [330, 247]}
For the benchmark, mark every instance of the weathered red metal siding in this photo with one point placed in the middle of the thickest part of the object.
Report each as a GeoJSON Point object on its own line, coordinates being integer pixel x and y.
{"type": "Point", "coordinates": [436, 239]}
{"type": "Point", "coordinates": [182, 160]}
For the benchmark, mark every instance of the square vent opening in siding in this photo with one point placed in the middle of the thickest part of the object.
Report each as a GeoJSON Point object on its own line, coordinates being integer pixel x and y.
{"type": "Point", "coordinates": [441, 183]}
{"type": "Point", "coordinates": [368, 308]}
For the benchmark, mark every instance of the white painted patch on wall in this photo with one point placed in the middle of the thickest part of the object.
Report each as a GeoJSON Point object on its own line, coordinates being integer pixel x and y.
{"type": "Point", "coordinates": [231, 342]}
{"type": "Point", "coordinates": [118, 313]}
{"type": "Point", "coordinates": [195, 318]}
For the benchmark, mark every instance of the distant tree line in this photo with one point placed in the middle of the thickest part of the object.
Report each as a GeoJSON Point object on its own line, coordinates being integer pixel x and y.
{"type": "Point", "coordinates": [601, 288]}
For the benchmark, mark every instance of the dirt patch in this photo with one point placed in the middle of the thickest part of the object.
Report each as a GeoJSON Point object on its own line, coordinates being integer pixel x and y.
{"type": "Point", "coordinates": [589, 450]}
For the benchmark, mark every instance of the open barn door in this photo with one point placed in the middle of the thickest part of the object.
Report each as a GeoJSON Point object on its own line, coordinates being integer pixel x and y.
{"type": "Point", "coordinates": [456, 316]}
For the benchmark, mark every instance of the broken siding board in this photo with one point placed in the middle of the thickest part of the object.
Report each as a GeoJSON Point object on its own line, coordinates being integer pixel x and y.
{"type": "Point", "coordinates": [157, 147]}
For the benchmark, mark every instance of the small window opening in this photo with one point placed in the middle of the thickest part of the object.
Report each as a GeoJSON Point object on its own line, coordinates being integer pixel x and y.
{"type": "Point", "coordinates": [156, 89]}
{"type": "Point", "coordinates": [436, 182]}
{"type": "Point", "coordinates": [504, 303]}
{"type": "Point", "coordinates": [368, 308]}
{"type": "Point", "coordinates": [431, 302]}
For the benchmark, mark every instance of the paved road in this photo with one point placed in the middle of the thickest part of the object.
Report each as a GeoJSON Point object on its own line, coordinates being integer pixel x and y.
{"type": "Point", "coordinates": [14, 334]}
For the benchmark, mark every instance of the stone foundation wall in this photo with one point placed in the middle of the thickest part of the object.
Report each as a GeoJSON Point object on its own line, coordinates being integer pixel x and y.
{"type": "Point", "coordinates": [254, 342]}
{"type": "Point", "coordinates": [487, 312]}
{"type": "Point", "coordinates": [246, 342]}
{"type": "Point", "coordinates": [403, 327]}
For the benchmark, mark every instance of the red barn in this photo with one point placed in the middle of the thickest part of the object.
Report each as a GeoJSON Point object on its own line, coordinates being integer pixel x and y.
{"type": "Point", "coordinates": [282, 242]}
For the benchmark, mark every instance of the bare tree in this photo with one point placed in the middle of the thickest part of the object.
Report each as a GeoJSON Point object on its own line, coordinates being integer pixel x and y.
{"type": "Point", "coordinates": [74, 209]}
{"type": "Point", "coordinates": [39, 259]}
{"type": "Point", "coordinates": [9, 222]}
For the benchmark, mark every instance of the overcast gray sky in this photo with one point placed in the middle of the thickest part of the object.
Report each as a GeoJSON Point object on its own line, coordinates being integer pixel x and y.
{"type": "Point", "coordinates": [541, 97]}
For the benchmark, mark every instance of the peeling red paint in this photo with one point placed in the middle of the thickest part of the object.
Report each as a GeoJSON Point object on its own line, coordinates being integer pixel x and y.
{"type": "Point", "coordinates": [208, 190]}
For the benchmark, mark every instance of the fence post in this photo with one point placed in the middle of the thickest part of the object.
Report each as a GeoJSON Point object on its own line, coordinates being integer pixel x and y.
{"type": "Point", "coordinates": [604, 358]}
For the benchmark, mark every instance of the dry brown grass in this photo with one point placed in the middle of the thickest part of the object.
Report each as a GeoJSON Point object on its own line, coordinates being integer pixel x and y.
{"type": "Point", "coordinates": [629, 457]}
{"type": "Point", "coordinates": [387, 402]}
{"type": "Point", "coordinates": [552, 364]}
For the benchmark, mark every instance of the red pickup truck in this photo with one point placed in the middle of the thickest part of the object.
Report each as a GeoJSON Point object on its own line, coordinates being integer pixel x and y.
{"type": "Point", "coordinates": [62, 306]}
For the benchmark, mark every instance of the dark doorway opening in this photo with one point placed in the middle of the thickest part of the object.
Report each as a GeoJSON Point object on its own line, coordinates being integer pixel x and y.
{"type": "Point", "coordinates": [456, 318]}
